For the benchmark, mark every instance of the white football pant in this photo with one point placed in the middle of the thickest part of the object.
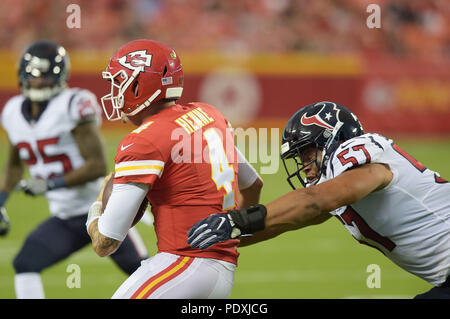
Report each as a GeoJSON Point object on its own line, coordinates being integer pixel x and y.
{"type": "Point", "coordinates": [169, 276]}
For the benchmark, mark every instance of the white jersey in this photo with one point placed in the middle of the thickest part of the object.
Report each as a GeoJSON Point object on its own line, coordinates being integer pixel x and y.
{"type": "Point", "coordinates": [409, 219]}
{"type": "Point", "coordinates": [48, 147]}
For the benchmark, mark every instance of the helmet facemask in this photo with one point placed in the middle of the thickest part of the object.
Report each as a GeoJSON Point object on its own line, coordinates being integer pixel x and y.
{"type": "Point", "coordinates": [324, 126]}
{"type": "Point", "coordinates": [294, 165]}
{"type": "Point", "coordinates": [119, 84]}
{"type": "Point", "coordinates": [43, 71]}
{"type": "Point", "coordinates": [42, 94]}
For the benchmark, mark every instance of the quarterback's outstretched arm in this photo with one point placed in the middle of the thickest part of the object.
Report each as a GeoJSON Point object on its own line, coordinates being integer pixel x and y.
{"type": "Point", "coordinates": [297, 209]}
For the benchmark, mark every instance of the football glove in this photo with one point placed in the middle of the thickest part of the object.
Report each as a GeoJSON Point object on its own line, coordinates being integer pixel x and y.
{"type": "Point", "coordinates": [221, 227]}
{"type": "Point", "coordinates": [38, 186]}
{"type": "Point", "coordinates": [33, 186]}
{"type": "Point", "coordinates": [4, 222]}
{"type": "Point", "coordinates": [212, 230]}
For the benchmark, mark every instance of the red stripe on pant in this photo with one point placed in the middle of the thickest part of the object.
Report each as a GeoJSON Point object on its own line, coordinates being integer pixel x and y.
{"type": "Point", "coordinates": [164, 276]}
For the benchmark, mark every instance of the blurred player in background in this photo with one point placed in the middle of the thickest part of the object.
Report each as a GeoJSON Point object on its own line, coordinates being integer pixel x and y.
{"type": "Point", "coordinates": [146, 81]}
{"type": "Point", "coordinates": [383, 196]}
{"type": "Point", "coordinates": [55, 131]}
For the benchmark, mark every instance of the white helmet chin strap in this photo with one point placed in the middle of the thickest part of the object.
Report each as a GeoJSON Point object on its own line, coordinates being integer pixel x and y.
{"type": "Point", "coordinates": [145, 104]}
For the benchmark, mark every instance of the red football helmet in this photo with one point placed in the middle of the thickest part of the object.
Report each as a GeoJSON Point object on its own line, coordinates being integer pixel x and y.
{"type": "Point", "coordinates": [141, 72]}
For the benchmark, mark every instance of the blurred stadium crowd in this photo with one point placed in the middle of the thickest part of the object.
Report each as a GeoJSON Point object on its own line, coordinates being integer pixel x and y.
{"type": "Point", "coordinates": [414, 27]}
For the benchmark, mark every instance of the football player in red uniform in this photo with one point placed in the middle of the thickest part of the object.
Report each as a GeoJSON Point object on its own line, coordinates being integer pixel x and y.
{"type": "Point", "coordinates": [182, 159]}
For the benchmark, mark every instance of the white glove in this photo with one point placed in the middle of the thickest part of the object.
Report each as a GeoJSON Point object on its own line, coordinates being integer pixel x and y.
{"type": "Point", "coordinates": [34, 186]}
{"type": "Point", "coordinates": [39, 186]}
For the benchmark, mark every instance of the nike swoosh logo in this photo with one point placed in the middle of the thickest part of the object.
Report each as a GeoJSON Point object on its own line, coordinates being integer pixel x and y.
{"type": "Point", "coordinates": [123, 148]}
{"type": "Point", "coordinates": [222, 220]}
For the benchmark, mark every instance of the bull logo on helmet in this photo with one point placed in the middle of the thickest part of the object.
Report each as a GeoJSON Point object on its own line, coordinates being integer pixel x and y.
{"type": "Point", "coordinates": [327, 117]}
{"type": "Point", "coordinates": [136, 59]}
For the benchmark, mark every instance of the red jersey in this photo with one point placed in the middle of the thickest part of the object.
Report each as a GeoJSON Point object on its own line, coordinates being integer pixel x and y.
{"type": "Point", "coordinates": [186, 153]}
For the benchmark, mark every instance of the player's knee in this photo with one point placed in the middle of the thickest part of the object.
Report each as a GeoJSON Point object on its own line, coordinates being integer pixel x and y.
{"type": "Point", "coordinates": [23, 263]}
{"type": "Point", "coordinates": [33, 257]}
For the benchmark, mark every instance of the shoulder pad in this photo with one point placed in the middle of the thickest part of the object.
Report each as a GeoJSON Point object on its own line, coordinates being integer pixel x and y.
{"type": "Point", "coordinates": [357, 151]}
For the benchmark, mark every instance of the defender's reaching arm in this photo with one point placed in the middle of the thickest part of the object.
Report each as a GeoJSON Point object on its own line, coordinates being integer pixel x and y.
{"type": "Point", "coordinates": [297, 209]}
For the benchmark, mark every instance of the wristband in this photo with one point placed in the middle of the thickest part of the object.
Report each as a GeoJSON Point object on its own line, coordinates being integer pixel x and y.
{"type": "Point", "coordinates": [56, 182]}
{"type": "Point", "coordinates": [3, 197]}
{"type": "Point", "coordinates": [249, 220]}
{"type": "Point", "coordinates": [95, 211]}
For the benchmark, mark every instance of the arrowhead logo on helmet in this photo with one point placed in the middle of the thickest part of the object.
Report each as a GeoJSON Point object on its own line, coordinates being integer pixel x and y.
{"type": "Point", "coordinates": [136, 59]}
{"type": "Point", "coordinates": [133, 86]}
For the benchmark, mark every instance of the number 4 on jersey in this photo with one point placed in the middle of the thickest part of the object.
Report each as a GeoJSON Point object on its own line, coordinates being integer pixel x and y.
{"type": "Point", "coordinates": [222, 172]}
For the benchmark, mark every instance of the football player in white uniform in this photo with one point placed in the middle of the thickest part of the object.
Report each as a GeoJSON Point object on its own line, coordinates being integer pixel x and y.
{"type": "Point", "coordinates": [55, 131]}
{"type": "Point", "coordinates": [381, 194]}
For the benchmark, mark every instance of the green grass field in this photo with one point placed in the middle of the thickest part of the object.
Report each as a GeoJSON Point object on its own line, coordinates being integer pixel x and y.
{"type": "Point", "coordinates": [318, 262]}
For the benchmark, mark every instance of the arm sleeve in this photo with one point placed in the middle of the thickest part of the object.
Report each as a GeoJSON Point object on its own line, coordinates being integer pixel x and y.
{"type": "Point", "coordinates": [247, 174]}
{"type": "Point", "coordinates": [121, 209]}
